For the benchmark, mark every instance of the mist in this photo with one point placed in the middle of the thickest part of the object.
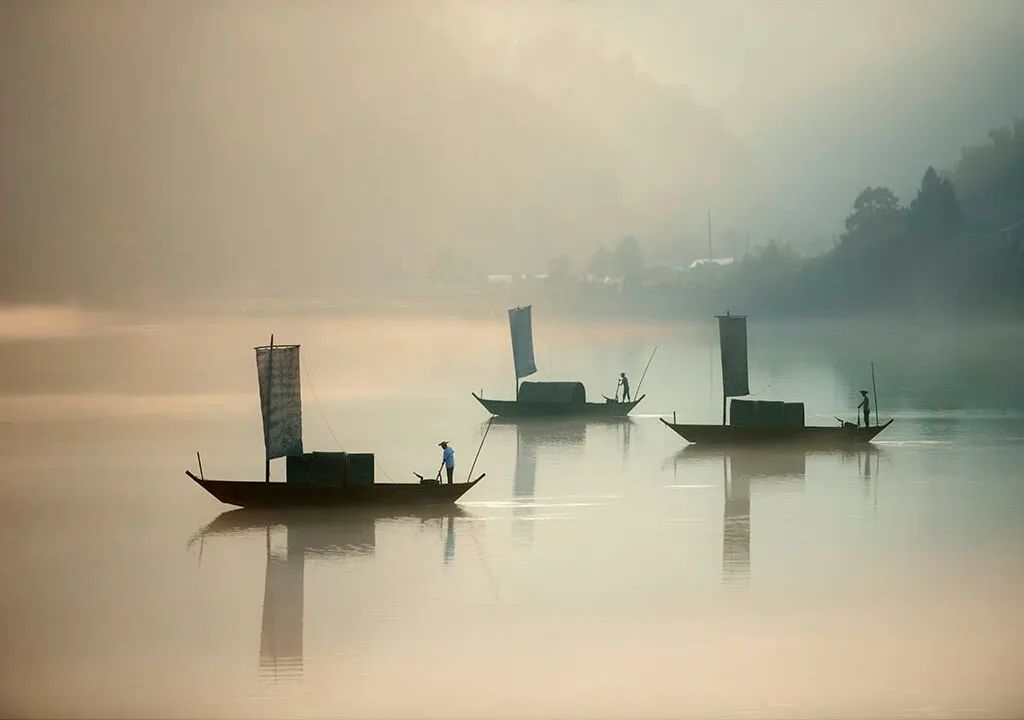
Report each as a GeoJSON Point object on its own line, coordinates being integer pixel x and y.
{"type": "Point", "coordinates": [173, 151]}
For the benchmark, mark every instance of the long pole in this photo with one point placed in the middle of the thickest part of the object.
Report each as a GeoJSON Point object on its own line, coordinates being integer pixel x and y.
{"type": "Point", "coordinates": [481, 447]}
{"type": "Point", "coordinates": [270, 390]}
{"type": "Point", "coordinates": [641, 383]}
{"type": "Point", "coordinates": [200, 459]}
{"type": "Point", "coordinates": [874, 391]}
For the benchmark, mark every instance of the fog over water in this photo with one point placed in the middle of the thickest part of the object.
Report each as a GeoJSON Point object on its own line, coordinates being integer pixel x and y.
{"type": "Point", "coordinates": [599, 568]}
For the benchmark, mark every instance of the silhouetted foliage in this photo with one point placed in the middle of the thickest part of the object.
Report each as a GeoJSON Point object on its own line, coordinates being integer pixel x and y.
{"type": "Point", "coordinates": [877, 217]}
{"type": "Point", "coordinates": [990, 179]}
{"type": "Point", "coordinates": [935, 213]}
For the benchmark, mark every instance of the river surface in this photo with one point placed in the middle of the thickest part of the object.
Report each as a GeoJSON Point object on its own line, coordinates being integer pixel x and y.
{"type": "Point", "coordinates": [599, 570]}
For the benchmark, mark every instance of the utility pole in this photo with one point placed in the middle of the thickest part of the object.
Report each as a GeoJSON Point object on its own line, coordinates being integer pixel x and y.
{"type": "Point", "coordinates": [709, 236]}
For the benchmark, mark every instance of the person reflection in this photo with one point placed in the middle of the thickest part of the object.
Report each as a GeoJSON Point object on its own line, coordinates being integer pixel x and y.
{"type": "Point", "coordinates": [449, 540]}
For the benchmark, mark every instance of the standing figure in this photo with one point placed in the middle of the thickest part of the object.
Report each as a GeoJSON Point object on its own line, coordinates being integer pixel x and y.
{"type": "Point", "coordinates": [447, 459]}
{"type": "Point", "coordinates": [624, 384]}
{"type": "Point", "coordinates": [866, 404]}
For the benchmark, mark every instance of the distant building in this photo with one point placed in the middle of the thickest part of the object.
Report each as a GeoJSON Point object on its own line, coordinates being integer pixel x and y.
{"type": "Point", "coordinates": [721, 262]}
{"type": "Point", "coordinates": [509, 278]}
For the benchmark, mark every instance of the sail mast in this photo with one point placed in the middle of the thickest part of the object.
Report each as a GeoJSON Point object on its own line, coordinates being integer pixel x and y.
{"type": "Point", "coordinates": [270, 390]}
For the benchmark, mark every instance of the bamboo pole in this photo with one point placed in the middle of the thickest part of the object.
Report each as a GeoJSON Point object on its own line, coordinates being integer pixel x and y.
{"type": "Point", "coordinates": [646, 368]}
{"type": "Point", "coordinates": [481, 447]}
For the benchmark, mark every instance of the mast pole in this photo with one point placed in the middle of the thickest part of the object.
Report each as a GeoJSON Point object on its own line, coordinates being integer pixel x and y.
{"type": "Point", "coordinates": [725, 398]}
{"type": "Point", "coordinates": [270, 390]}
{"type": "Point", "coordinates": [874, 390]}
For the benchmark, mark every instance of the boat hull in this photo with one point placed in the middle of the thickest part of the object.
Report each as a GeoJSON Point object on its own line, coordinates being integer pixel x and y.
{"type": "Point", "coordinates": [731, 435]}
{"type": "Point", "coordinates": [519, 409]}
{"type": "Point", "coordinates": [256, 494]}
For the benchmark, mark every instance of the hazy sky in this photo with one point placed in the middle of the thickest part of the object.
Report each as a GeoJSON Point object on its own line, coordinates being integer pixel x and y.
{"type": "Point", "coordinates": [162, 145]}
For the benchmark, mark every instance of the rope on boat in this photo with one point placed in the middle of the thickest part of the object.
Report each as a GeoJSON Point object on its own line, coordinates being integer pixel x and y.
{"type": "Point", "coordinates": [320, 407]}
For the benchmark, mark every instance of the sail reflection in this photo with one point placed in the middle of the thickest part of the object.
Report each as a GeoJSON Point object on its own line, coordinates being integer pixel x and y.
{"type": "Point", "coordinates": [318, 533]}
{"type": "Point", "coordinates": [560, 437]}
{"type": "Point", "coordinates": [744, 467]}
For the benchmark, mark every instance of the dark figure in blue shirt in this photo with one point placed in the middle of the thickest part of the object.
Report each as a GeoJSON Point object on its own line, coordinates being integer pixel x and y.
{"type": "Point", "coordinates": [447, 459]}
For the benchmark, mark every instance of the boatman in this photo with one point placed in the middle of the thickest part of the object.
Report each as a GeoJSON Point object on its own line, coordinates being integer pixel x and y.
{"type": "Point", "coordinates": [447, 459]}
{"type": "Point", "coordinates": [624, 384]}
{"type": "Point", "coordinates": [866, 404]}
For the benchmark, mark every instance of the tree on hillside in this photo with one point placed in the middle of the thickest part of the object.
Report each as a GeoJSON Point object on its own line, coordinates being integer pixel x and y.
{"type": "Point", "coordinates": [989, 179]}
{"type": "Point", "coordinates": [877, 218]}
{"type": "Point", "coordinates": [935, 212]}
{"type": "Point", "coordinates": [627, 260]}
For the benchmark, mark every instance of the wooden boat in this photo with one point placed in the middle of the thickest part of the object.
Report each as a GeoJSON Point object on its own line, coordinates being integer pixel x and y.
{"type": "Point", "coordinates": [313, 479]}
{"type": "Point", "coordinates": [532, 409]}
{"type": "Point", "coordinates": [546, 399]}
{"type": "Point", "coordinates": [260, 494]}
{"type": "Point", "coordinates": [761, 422]}
{"type": "Point", "coordinates": [728, 434]}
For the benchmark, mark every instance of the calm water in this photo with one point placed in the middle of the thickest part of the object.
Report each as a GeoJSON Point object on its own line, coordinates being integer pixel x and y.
{"type": "Point", "coordinates": [601, 569]}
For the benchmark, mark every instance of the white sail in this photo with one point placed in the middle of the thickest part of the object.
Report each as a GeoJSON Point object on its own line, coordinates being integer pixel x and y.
{"type": "Point", "coordinates": [521, 325]}
{"type": "Point", "coordinates": [732, 334]}
{"type": "Point", "coordinates": [280, 399]}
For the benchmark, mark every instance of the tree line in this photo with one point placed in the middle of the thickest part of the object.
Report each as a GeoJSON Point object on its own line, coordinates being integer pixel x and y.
{"type": "Point", "coordinates": [956, 247]}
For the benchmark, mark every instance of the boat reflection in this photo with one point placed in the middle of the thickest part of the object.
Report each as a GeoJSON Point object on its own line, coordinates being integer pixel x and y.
{"type": "Point", "coordinates": [743, 468]}
{"type": "Point", "coordinates": [313, 532]}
